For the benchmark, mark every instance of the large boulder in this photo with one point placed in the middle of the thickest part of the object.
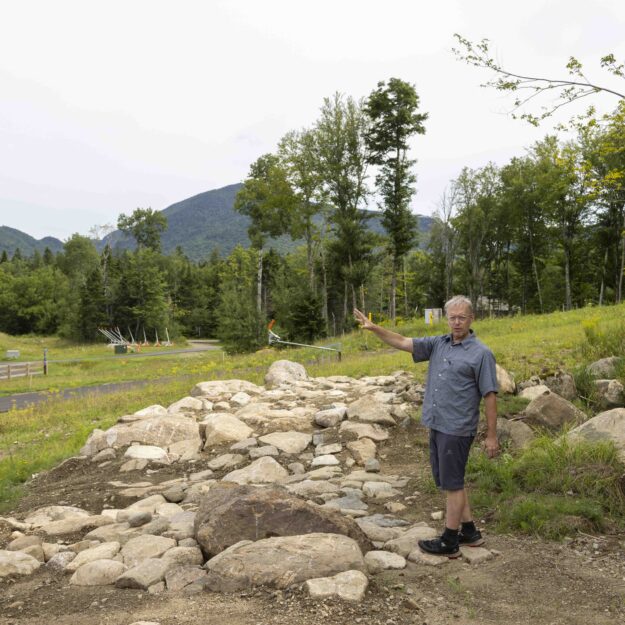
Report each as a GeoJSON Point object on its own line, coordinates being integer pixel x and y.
{"type": "Point", "coordinates": [505, 381]}
{"type": "Point", "coordinates": [368, 410]}
{"type": "Point", "coordinates": [283, 561]}
{"type": "Point", "coordinates": [611, 393]}
{"type": "Point", "coordinates": [221, 427]}
{"type": "Point", "coordinates": [515, 433]}
{"type": "Point", "coordinates": [265, 470]}
{"type": "Point", "coordinates": [552, 412]}
{"type": "Point", "coordinates": [606, 426]}
{"type": "Point", "coordinates": [230, 513]}
{"type": "Point", "coordinates": [17, 563]}
{"type": "Point", "coordinates": [605, 368]}
{"type": "Point", "coordinates": [284, 372]}
{"type": "Point", "coordinates": [160, 431]}
{"type": "Point", "coordinates": [562, 384]}
{"type": "Point", "coordinates": [97, 573]}
{"type": "Point", "coordinates": [532, 392]}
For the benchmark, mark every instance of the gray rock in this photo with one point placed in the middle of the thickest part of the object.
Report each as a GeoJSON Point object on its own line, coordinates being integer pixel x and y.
{"type": "Point", "coordinates": [246, 443]}
{"type": "Point", "coordinates": [605, 368]}
{"type": "Point", "coordinates": [17, 563]}
{"type": "Point", "coordinates": [516, 433]}
{"type": "Point", "coordinates": [563, 384]}
{"type": "Point", "coordinates": [262, 471]}
{"type": "Point", "coordinates": [330, 448]}
{"type": "Point", "coordinates": [349, 586]}
{"type": "Point", "coordinates": [143, 575]}
{"type": "Point", "coordinates": [139, 518]}
{"type": "Point", "coordinates": [364, 430]}
{"type": "Point", "coordinates": [368, 410]}
{"type": "Point", "coordinates": [97, 573]}
{"type": "Point", "coordinates": [372, 465]}
{"type": "Point", "coordinates": [284, 372]}
{"type": "Point", "coordinates": [532, 392]}
{"type": "Point", "coordinates": [58, 562]}
{"type": "Point", "coordinates": [378, 561]}
{"type": "Point", "coordinates": [221, 428]}
{"type": "Point", "coordinates": [552, 412]}
{"type": "Point", "coordinates": [22, 542]}
{"type": "Point", "coordinates": [145, 547]}
{"type": "Point", "coordinates": [288, 442]}
{"type": "Point", "coordinates": [505, 381]}
{"type": "Point", "coordinates": [104, 455]}
{"type": "Point", "coordinates": [174, 494]}
{"type": "Point", "coordinates": [183, 576]}
{"type": "Point", "coordinates": [408, 541]}
{"type": "Point", "coordinates": [606, 426]}
{"type": "Point", "coordinates": [283, 561]}
{"type": "Point", "coordinates": [330, 417]}
{"type": "Point", "coordinates": [105, 551]}
{"type": "Point", "coordinates": [265, 450]}
{"type": "Point", "coordinates": [611, 393]}
{"type": "Point", "coordinates": [324, 461]}
{"type": "Point", "coordinates": [184, 556]}
{"type": "Point", "coordinates": [225, 461]}
{"type": "Point", "coordinates": [362, 450]}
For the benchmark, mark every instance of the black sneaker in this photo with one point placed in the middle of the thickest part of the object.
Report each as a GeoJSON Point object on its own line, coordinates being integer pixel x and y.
{"type": "Point", "coordinates": [439, 547]}
{"type": "Point", "coordinates": [473, 539]}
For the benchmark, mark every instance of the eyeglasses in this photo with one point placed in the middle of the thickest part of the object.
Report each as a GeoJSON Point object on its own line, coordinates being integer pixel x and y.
{"type": "Point", "coordinates": [460, 318]}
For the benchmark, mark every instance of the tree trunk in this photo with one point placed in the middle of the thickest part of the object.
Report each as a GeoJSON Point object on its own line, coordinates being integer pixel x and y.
{"type": "Point", "coordinates": [259, 283]}
{"type": "Point", "coordinates": [393, 311]}
{"type": "Point", "coordinates": [567, 279]}
{"type": "Point", "coordinates": [324, 308]}
{"type": "Point", "coordinates": [535, 271]}
{"type": "Point", "coordinates": [602, 287]}
{"type": "Point", "coordinates": [622, 270]}
{"type": "Point", "coordinates": [406, 311]}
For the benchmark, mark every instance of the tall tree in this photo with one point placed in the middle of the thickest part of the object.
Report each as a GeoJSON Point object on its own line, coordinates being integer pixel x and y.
{"type": "Point", "coordinates": [392, 109]}
{"type": "Point", "coordinates": [146, 226]}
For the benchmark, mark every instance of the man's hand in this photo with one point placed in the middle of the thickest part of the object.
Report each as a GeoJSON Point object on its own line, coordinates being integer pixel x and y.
{"type": "Point", "coordinates": [363, 320]}
{"type": "Point", "coordinates": [491, 445]}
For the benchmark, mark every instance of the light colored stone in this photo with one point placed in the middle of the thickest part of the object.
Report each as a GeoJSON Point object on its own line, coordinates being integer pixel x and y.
{"type": "Point", "coordinates": [188, 405]}
{"type": "Point", "coordinates": [372, 465]}
{"type": "Point", "coordinates": [225, 461]}
{"type": "Point", "coordinates": [606, 426]}
{"type": "Point", "coordinates": [330, 417]}
{"type": "Point", "coordinates": [104, 455]}
{"type": "Point", "coordinates": [97, 573]}
{"type": "Point", "coordinates": [47, 514]}
{"type": "Point", "coordinates": [408, 541]}
{"type": "Point", "coordinates": [417, 556]}
{"type": "Point", "coordinates": [362, 450]}
{"type": "Point", "coordinates": [240, 399]}
{"type": "Point", "coordinates": [284, 372]}
{"type": "Point", "coordinates": [184, 556]}
{"type": "Point", "coordinates": [184, 451]}
{"type": "Point", "coordinates": [58, 562]}
{"type": "Point", "coordinates": [144, 574]}
{"type": "Point", "coordinates": [288, 442]}
{"type": "Point", "coordinates": [532, 392]}
{"type": "Point", "coordinates": [330, 448]}
{"type": "Point", "coordinates": [75, 525]}
{"type": "Point", "coordinates": [505, 381]}
{"type": "Point", "coordinates": [324, 461]}
{"type": "Point", "coordinates": [145, 547]}
{"type": "Point", "coordinates": [220, 428]}
{"type": "Point", "coordinates": [349, 586]}
{"type": "Point", "coordinates": [563, 384]}
{"type": "Point", "coordinates": [364, 430]}
{"type": "Point", "coordinates": [552, 411]}
{"type": "Point", "coordinates": [246, 443]}
{"type": "Point", "coordinates": [215, 388]}
{"type": "Point", "coordinates": [21, 542]}
{"type": "Point", "coordinates": [147, 452]}
{"type": "Point", "coordinates": [17, 563]}
{"type": "Point", "coordinates": [133, 465]}
{"type": "Point", "coordinates": [476, 555]}
{"type": "Point", "coordinates": [605, 368]}
{"type": "Point", "coordinates": [262, 471]}
{"type": "Point", "coordinates": [156, 410]}
{"type": "Point", "coordinates": [516, 433]}
{"type": "Point", "coordinates": [183, 576]}
{"type": "Point", "coordinates": [105, 551]}
{"type": "Point", "coordinates": [377, 561]}
{"type": "Point", "coordinates": [379, 490]}
{"type": "Point", "coordinates": [264, 450]}
{"type": "Point", "coordinates": [283, 561]}
{"type": "Point", "coordinates": [611, 393]}
{"type": "Point", "coordinates": [368, 410]}
{"type": "Point", "coordinates": [311, 488]}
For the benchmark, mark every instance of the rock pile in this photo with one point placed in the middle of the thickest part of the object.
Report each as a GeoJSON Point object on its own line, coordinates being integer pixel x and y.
{"type": "Point", "coordinates": [277, 485]}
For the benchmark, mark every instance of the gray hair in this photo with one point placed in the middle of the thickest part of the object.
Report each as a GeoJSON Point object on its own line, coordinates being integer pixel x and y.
{"type": "Point", "coordinates": [459, 300]}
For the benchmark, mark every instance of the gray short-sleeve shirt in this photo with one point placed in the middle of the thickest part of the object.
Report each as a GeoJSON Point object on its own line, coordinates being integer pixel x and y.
{"type": "Point", "coordinates": [459, 375]}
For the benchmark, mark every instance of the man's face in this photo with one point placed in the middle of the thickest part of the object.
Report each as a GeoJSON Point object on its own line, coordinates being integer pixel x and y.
{"type": "Point", "coordinates": [459, 320]}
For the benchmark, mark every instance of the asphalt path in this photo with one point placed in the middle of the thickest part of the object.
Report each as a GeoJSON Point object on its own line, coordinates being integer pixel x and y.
{"type": "Point", "coordinates": [22, 400]}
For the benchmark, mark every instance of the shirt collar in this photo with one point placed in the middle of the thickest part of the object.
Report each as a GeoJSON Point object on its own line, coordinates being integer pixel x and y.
{"type": "Point", "coordinates": [466, 342]}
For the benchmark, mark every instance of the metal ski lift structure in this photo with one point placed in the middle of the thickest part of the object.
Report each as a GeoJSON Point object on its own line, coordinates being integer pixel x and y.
{"type": "Point", "coordinates": [274, 338]}
{"type": "Point", "coordinates": [114, 336]}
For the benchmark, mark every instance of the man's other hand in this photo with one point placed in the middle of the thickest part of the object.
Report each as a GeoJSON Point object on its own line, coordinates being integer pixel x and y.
{"type": "Point", "coordinates": [491, 446]}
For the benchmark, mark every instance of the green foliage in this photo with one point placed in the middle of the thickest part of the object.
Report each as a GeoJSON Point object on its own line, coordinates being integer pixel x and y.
{"type": "Point", "coordinates": [146, 226]}
{"type": "Point", "coordinates": [550, 487]}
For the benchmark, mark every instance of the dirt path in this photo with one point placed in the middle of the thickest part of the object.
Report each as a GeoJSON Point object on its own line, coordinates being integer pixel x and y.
{"type": "Point", "coordinates": [579, 582]}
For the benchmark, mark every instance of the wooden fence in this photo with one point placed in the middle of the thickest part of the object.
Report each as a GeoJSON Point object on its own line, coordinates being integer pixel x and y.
{"type": "Point", "coordinates": [20, 369]}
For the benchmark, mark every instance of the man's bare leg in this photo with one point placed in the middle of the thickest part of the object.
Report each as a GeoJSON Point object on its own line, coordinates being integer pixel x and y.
{"type": "Point", "coordinates": [458, 509]}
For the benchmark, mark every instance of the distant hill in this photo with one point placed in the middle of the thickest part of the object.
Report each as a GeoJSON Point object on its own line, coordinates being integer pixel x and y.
{"type": "Point", "coordinates": [11, 239]}
{"type": "Point", "coordinates": [208, 221]}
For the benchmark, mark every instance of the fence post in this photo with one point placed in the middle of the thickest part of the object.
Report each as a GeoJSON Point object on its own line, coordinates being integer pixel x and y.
{"type": "Point", "coordinates": [9, 370]}
{"type": "Point", "coordinates": [45, 361]}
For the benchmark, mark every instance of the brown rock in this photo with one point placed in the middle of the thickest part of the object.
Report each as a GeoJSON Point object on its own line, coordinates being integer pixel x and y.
{"type": "Point", "coordinates": [230, 513]}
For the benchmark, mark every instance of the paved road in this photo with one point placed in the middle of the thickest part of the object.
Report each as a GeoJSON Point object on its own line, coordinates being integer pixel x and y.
{"type": "Point", "coordinates": [21, 400]}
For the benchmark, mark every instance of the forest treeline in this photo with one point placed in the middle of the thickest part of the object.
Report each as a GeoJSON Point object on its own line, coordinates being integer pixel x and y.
{"type": "Point", "coordinates": [543, 232]}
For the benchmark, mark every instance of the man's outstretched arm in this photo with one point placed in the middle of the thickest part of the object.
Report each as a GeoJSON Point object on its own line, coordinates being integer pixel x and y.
{"type": "Point", "coordinates": [390, 338]}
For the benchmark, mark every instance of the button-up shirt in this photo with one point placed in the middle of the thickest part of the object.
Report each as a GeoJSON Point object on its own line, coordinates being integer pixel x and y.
{"type": "Point", "coordinates": [459, 375]}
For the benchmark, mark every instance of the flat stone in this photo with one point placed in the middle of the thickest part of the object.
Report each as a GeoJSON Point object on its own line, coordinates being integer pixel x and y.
{"type": "Point", "coordinates": [220, 428]}
{"type": "Point", "coordinates": [331, 417]}
{"type": "Point", "coordinates": [143, 575]}
{"type": "Point", "coordinates": [324, 461]}
{"type": "Point", "coordinates": [97, 573]}
{"type": "Point", "coordinates": [377, 561]}
{"type": "Point", "coordinates": [379, 490]}
{"type": "Point", "coordinates": [17, 563]}
{"type": "Point", "coordinates": [288, 442]}
{"type": "Point", "coordinates": [330, 448]}
{"type": "Point", "coordinates": [368, 410]}
{"type": "Point", "coordinates": [136, 464]}
{"type": "Point", "coordinates": [372, 465]}
{"type": "Point", "coordinates": [362, 450]}
{"type": "Point", "coordinates": [183, 576]}
{"type": "Point", "coordinates": [364, 430]}
{"type": "Point", "coordinates": [262, 471]}
{"type": "Point", "coordinates": [105, 551]}
{"type": "Point", "coordinates": [476, 555]}
{"type": "Point", "coordinates": [349, 586]}
{"type": "Point", "coordinates": [417, 556]}
{"type": "Point", "coordinates": [246, 443]}
{"type": "Point", "coordinates": [145, 547]}
{"type": "Point", "coordinates": [310, 488]}
{"type": "Point", "coordinates": [264, 450]}
{"type": "Point", "coordinates": [225, 461]}
{"type": "Point", "coordinates": [184, 556]}
{"type": "Point", "coordinates": [408, 541]}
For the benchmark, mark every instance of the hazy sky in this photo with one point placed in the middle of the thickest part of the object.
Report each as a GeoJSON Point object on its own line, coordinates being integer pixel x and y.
{"type": "Point", "coordinates": [110, 106]}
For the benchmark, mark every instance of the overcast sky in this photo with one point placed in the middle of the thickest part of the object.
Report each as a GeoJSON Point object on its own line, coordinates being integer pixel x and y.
{"type": "Point", "coordinates": [110, 106]}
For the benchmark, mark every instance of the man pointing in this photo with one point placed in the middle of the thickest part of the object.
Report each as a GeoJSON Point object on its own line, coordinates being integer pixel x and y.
{"type": "Point", "coordinates": [461, 372]}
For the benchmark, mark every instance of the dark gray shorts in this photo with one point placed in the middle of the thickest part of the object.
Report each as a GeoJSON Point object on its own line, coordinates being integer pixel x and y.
{"type": "Point", "coordinates": [448, 457]}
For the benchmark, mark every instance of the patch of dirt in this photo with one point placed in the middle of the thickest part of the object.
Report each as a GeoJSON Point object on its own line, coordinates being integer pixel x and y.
{"type": "Point", "coordinates": [530, 581]}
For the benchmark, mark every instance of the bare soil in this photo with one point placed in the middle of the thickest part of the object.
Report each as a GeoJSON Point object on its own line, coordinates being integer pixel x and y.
{"type": "Point", "coordinates": [580, 582]}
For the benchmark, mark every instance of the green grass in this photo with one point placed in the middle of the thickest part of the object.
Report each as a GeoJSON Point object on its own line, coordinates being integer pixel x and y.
{"type": "Point", "coordinates": [551, 488]}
